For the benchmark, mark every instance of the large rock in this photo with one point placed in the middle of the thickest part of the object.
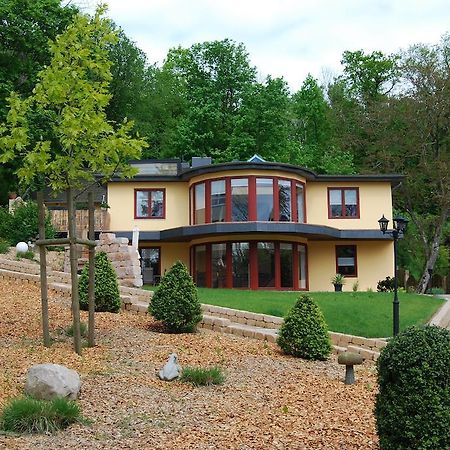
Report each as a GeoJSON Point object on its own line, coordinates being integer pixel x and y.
{"type": "Point", "coordinates": [48, 381]}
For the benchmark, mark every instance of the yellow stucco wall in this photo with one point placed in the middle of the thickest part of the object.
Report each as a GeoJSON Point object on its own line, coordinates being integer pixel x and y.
{"type": "Point", "coordinates": [375, 262]}
{"type": "Point", "coordinates": [375, 199]}
{"type": "Point", "coordinates": [121, 202]}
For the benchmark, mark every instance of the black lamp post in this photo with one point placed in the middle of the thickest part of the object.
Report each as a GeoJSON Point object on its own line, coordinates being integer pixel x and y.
{"type": "Point", "coordinates": [400, 225]}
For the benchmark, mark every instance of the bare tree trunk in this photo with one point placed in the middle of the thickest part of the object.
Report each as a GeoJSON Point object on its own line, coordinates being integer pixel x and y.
{"type": "Point", "coordinates": [432, 255]}
{"type": "Point", "coordinates": [73, 271]}
{"type": "Point", "coordinates": [91, 289]}
{"type": "Point", "coordinates": [43, 271]}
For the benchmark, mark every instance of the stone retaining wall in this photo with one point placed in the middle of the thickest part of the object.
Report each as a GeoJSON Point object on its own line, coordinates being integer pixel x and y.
{"type": "Point", "coordinates": [368, 348]}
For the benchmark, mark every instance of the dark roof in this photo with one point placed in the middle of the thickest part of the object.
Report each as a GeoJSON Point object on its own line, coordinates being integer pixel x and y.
{"type": "Point", "coordinates": [315, 232]}
{"type": "Point", "coordinates": [181, 174]}
{"type": "Point", "coordinates": [99, 191]}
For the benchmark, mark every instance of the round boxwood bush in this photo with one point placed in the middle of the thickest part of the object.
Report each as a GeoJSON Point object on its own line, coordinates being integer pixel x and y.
{"type": "Point", "coordinates": [413, 404]}
{"type": "Point", "coordinates": [304, 332]}
{"type": "Point", "coordinates": [175, 302]}
{"type": "Point", "coordinates": [107, 297]}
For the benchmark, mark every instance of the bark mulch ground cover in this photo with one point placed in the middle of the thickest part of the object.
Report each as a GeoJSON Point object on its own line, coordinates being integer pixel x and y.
{"type": "Point", "coordinates": [268, 400]}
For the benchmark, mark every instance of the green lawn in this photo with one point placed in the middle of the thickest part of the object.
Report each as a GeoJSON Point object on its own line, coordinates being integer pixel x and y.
{"type": "Point", "coordinates": [362, 313]}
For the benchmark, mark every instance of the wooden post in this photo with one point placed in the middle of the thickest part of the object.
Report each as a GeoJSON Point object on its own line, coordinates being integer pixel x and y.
{"type": "Point", "coordinates": [73, 272]}
{"type": "Point", "coordinates": [43, 271]}
{"type": "Point", "coordinates": [91, 289]}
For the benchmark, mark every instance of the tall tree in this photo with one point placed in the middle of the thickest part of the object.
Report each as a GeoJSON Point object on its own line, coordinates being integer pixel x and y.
{"type": "Point", "coordinates": [312, 132]}
{"type": "Point", "coordinates": [25, 29]}
{"type": "Point", "coordinates": [71, 96]}
{"type": "Point", "coordinates": [213, 77]}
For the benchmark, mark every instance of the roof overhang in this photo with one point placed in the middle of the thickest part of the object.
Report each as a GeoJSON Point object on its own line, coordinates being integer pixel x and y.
{"type": "Point", "coordinates": [219, 230]}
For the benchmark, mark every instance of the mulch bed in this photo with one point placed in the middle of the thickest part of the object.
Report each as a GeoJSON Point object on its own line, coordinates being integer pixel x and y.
{"type": "Point", "coordinates": [268, 401]}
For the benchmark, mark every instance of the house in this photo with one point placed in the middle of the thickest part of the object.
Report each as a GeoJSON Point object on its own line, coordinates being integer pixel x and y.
{"type": "Point", "coordinates": [255, 224]}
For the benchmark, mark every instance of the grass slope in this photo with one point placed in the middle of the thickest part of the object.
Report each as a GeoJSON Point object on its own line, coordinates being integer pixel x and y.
{"type": "Point", "coordinates": [366, 314]}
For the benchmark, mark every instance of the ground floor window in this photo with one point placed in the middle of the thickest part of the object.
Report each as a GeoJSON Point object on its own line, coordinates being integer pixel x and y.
{"type": "Point", "coordinates": [250, 265]}
{"type": "Point", "coordinates": [151, 265]}
{"type": "Point", "coordinates": [346, 260]}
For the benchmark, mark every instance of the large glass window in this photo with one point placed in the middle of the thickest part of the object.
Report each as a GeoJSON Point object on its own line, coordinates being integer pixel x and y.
{"type": "Point", "coordinates": [300, 203]}
{"type": "Point", "coordinates": [240, 256]}
{"type": "Point", "coordinates": [239, 199]}
{"type": "Point", "coordinates": [200, 265]}
{"type": "Point", "coordinates": [343, 203]}
{"type": "Point", "coordinates": [284, 199]}
{"type": "Point", "coordinates": [286, 265]}
{"type": "Point", "coordinates": [346, 260]}
{"type": "Point", "coordinates": [219, 265]}
{"type": "Point", "coordinates": [149, 204]}
{"type": "Point", "coordinates": [264, 199]}
{"type": "Point", "coordinates": [302, 266]}
{"type": "Point", "coordinates": [252, 199]}
{"type": "Point", "coordinates": [218, 201]}
{"type": "Point", "coordinates": [150, 262]}
{"type": "Point", "coordinates": [266, 264]}
{"type": "Point", "coordinates": [199, 216]}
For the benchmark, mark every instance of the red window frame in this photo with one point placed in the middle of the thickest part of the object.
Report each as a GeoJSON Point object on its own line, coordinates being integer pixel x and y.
{"type": "Point", "coordinates": [253, 270]}
{"type": "Point", "coordinates": [252, 207]}
{"type": "Point", "coordinates": [355, 275]}
{"type": "Point", "coordinates": [343, 210]}
{"type": "Point", "coordinates": [150, 190]}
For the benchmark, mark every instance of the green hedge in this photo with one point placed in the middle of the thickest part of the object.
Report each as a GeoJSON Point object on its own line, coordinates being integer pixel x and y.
{"type": "Point", "coordinates": [413, 404]}
{"type": "Point", "coordinates": [304, 332]}
{"type": "Point", "coordinates": [107, 296]}
{"type": "Point", "coordinates": [175, 302]}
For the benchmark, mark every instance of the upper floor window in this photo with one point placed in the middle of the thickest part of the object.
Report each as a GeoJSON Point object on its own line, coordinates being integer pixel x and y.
{"type": "Point", "coordinates": [149, 203]}
{"type": "Point", "coordinates": [250, 198]}
{"type": "Point", "coordinates": [343, 203]}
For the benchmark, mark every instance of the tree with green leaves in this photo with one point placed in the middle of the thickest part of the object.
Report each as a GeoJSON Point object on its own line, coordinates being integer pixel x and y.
{"type": "Point", "coordinates": [70, 98]}
{"type": "Point", "coordinates": [26, 26]}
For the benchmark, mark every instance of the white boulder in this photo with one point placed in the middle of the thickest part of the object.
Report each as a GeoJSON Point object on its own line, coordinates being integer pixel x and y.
{"type": "Point", "coordinates": [48, 381]}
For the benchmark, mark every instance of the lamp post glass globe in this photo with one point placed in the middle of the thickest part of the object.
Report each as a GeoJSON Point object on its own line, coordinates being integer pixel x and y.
{"type": "Point", "coordinates": [21, 247]}
{"type": "Point", "coordinates": [383, 222]}
{"type": "Point", "coordinates": [400, 224]}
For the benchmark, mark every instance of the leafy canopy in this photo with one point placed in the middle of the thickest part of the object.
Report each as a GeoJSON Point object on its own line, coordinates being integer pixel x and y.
{"type": "Point", "coordinates": [69, 102]}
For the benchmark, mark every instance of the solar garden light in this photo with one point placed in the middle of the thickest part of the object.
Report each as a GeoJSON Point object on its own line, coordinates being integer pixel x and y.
{"type": "Point", "coordinates": [400, 225]}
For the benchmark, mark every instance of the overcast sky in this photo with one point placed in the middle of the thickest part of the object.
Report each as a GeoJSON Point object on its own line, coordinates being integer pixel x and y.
{"type": "Point", "coordinates": [288, 38]}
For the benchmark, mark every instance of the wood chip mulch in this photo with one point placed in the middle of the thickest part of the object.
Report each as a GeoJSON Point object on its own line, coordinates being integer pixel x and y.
{"type": "Point", "coordinates": [268, 401]}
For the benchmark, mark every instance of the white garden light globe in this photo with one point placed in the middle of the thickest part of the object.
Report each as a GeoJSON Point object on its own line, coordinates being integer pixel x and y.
{"type": "Point", "coordinates": [21, 247]}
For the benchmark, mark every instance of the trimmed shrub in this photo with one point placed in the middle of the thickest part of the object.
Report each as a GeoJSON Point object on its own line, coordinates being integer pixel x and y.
{"type": "Point", "coordinates": [28, 415]}
{"type": "Point", "coordinates": [200, 376]}
{"type": "Point", "coordinates": [386, 285]}
{"type": "Point", "coordinates": [412, 408]}
{"type": "Point", "coordinates": [175, 302]}
{"type": "Point", "coordinates": [107, 297]}
{"type": "Point", "coordinates": [304, 332]}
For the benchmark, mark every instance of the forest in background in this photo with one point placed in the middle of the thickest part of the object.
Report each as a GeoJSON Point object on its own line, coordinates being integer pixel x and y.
{"type": "Point", "coordinates": [383, 114]}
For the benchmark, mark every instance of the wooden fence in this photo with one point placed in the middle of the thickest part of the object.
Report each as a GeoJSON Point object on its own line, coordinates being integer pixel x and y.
{"type": "Point", "coordinates": [101, 220]}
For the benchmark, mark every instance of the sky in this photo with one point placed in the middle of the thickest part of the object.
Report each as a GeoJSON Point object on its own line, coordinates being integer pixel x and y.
{"type": "Point", "coordinates": [284, 38]}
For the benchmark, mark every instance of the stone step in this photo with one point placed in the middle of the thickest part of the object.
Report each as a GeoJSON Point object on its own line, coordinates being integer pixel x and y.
{"type": "Point", "coordinates": [61, 288]}
{"type": "Point", "coordinates": [138, 307]}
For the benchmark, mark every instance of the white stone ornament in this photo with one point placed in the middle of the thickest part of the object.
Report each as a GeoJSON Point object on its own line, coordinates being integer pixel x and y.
{"type": "Point", "coordinates": [21, 247]}
{"type": "Point", "coordinates": [171, 370]}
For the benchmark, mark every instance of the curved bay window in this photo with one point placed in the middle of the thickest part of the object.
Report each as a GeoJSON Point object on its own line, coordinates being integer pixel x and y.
{"type": "Point", "coordinates": [252, 198]}
{"type": "Point", "coordinates": [251, 265]}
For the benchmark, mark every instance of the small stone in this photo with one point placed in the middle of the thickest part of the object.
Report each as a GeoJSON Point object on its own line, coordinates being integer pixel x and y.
{"type": "Point", "coordinates": [48, 381]}
{"type": "Point", "coordinates": [171, 369]}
